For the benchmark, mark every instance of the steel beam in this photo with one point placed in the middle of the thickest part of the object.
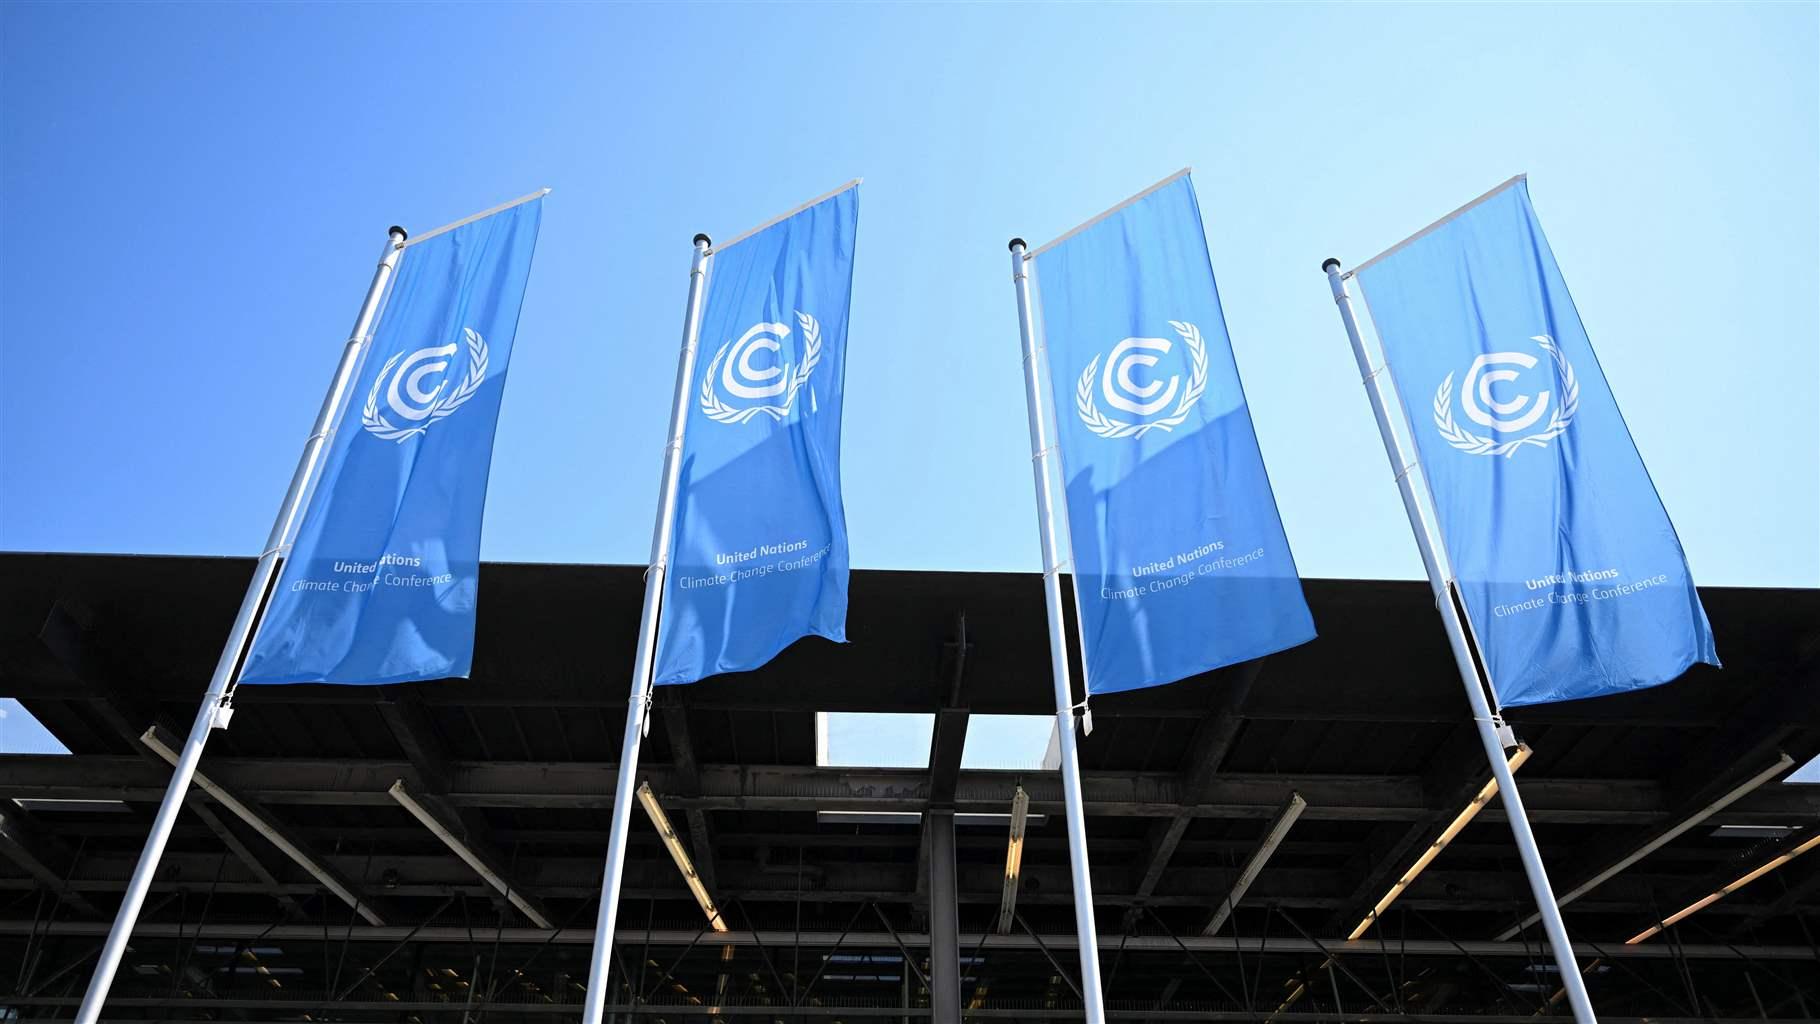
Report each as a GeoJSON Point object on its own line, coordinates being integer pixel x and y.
{"type": "Point", "coordinates": [68, 634]}
{"type": "Point", "coordinates": [1213, 740]}
{"type": "Point", "coordinates": [1708, 801]}
{"type": "Point", "coordinates": [1779, 718]}
{"type": "Point", "coordinates": [164, 746]}
{"type": "Point", "coordinates": [1173, 986]}
{"type": "Point", "coordinates": [199, 806]}
{"type": "Point", "coordinates": [1787, 902]}
{"type": "Point", "coordinates": [409, 721]}
{"type": "Point", "coordinates": [688, 782]}
{"type": "Point", "coordinates": [1165, 835]}
{"type": "Point", "coordinates": [803, 788]}
{"type": "Point", "coordinates": [1350, 702]}
{"type": "Point", "coordinates": [432, 875]}
{"type": "Point", "coordinates": [42, 856]}
{"type": "Point", "coordinates": [818, 938]}
{"type": "Point", "coordinates": [944, 921]}
{"type": "Point", "coordinates": [1218, 731]}
{"type": "Point", "coordinates": [948, 739]}
{"type": "Point", "coordinates": [946, 742]}
{"type": "Point", "coordinates": [1267, 846]}
{"type": "Point", "coordinates": [472, 852]}
{"type": "Point", "coordinates": [1455, 774]}
{"type": "Point", "coordinates": [300, 1006]}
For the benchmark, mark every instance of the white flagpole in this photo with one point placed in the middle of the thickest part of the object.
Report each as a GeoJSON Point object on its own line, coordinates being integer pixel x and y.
{"type": "Point", "coordinates": [639, 706]}
{"type": "Point", "coordinates": [217, 705]}
{"type": "Point", "coordinates": [1377, 383]}
{"type": "Point", "coordinates": [1041, 449]}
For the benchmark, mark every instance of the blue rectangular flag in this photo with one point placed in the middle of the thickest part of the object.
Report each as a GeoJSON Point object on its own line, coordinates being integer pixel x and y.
{"type": "Point", "coordinates": [1572, 575]}
{"type": "Point", "coordinates": [760, 550]}
{"type": "Point", "coordinates": [1180, 562]}
{"type": "Point", "coordinates": [383, 578]}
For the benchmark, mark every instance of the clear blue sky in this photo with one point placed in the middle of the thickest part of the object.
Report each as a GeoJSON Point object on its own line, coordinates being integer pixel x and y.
{"type": "Point", "coordinates": [193, 197]}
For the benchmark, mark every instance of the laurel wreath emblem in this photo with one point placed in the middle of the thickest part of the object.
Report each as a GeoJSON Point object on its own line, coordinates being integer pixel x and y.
{"type": "Point", "coordinates": [721, 412]}
{"type": "Point", "coordinates": [375, 421]}
{"type": "Point", "coordinates": [1106, 426]}
{"type": "Point", "coordinates": [1476, 444]}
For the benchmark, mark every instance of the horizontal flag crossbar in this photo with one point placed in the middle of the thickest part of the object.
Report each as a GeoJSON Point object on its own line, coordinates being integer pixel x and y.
{"type": "Point", "coordinates": [786, 215]}
{"type": "Point", "coordinates": [1091, 221]}
{"type": "Point", "coordinates": [1439, 223]}
{"type": "Point", "coordinates": [465, 221]}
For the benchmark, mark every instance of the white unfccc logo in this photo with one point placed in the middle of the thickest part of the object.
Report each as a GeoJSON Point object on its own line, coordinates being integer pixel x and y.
{"type": "Point", "coordinates": [1118, 383]}
{"type": "Point", "coordinates": [1514, 413]}
{"type": "Point", "coordinates": [752, 389]}
{"type": "Point", "coordinates": [416, 389]}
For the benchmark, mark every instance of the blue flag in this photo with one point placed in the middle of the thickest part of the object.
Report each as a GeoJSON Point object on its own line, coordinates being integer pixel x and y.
{"type": "Point", "coordinates": [760, 552]}
{"type": "Point", "coordinates": [1180, 562]}
{"type": "Point", "coordinates": [1571, 572]}
{"type": "Point", "coordinates": [384, 575]}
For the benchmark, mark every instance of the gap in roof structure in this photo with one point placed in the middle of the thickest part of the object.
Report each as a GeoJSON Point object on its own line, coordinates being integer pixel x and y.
{"type": "Point", "coordinates": [868, 739]}
{"type": "Point", "coordinates": [20, 733]}
{"type": "Point", "coordinates": [854, 739]}
{"type": "Point", "coordinates": [1807, 774]}
{"type": "Point", "coordinates": [1009, 742]}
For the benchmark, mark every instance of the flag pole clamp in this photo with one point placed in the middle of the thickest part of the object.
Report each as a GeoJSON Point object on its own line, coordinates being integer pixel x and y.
{"type": "Point", "coordinates": [1086, 715]}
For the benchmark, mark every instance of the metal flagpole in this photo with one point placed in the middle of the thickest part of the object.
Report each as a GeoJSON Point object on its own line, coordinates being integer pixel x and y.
{"type": "Point", "coordinates": [1040, 452]}
{"type": "Point", "coordinates": [1406, 466]}
{"type": "Point", "coordinates": [639, 706]}
{"type": "Point", "coordinates": [217, 703]}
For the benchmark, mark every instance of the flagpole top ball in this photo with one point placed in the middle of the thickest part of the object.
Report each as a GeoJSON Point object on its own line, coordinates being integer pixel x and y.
{"type": "Point", "coordinates": [701, 238]}
{"type": "Point", "coordinates": [1329, 265]}
{"type": "Point", "coordinates": [402, 234]}
{"type": "Point", "coordinates": [1017, 243]}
